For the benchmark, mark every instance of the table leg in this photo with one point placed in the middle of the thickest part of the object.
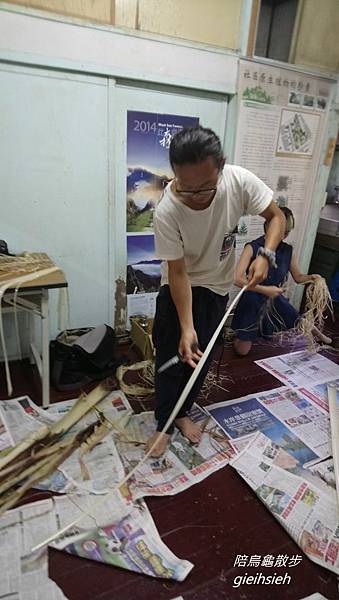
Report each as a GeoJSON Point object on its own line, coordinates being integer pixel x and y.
{"type": "Point", "coordinates": [31, 329]}
{"type": "Point", "coordinates": [45, 348]}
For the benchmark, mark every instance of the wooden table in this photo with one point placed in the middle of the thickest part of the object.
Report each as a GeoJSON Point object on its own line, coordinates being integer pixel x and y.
{"type": "Point", "coordinates": [33, 297]}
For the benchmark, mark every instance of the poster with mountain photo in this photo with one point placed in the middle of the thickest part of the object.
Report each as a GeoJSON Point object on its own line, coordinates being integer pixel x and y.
{"type": "Point", "coordinates": [143, 269]}
{"type": "Point", "coordinates": [148, 168]}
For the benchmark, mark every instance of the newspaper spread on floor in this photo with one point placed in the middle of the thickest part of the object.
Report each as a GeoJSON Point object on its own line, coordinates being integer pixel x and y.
{"type": "Point", "coordinates": [284, 415]}
{"type": "Point", "coordinates": [302, 502]}
{"type": "Point", "coordinates": [24, 575]}
{"type": "Point", "coordinates": [5, 440]}
{"type": "Point", "coordinates": [122, 532]}
{"type": "Point", "coordinates": [309, 373]}
{"type": "Point", "coordinates": [325, 472]}
{"type": "Point", "coordinates": [102, 465]}
{"type": "Point", "coordinates": [315, 596]}
{"type": "Point", "coordinates": [318, 394]}
{"type": "Point", "coordinates": [101, 468]}
{"type": "Point", "coordinates": [125, 536]}
{"type": "Point", "coordinates": [182, 465]}
{"type": "Point", "coordinates": [301, 370]}
{"type": "Point", "coordinates": [21, 417]}
{"type": "Point", "coordinates": [116, 531]}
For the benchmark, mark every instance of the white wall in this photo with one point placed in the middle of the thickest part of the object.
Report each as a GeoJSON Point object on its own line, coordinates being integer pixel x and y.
{"type": "Point", "coordinates": [62, 148]}
{"type": "Point", "coordinates": [53, 169]}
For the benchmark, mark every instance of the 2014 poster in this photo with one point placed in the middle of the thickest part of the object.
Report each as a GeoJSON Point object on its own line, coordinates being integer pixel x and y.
{"type": "Point", "coordinates": [148, 169]}
{"type": "Point", "coordinates": [148, 172]}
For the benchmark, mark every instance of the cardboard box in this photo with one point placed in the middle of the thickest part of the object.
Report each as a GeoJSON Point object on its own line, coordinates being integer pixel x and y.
{"type": "Point", "coordinates": [142, 337]}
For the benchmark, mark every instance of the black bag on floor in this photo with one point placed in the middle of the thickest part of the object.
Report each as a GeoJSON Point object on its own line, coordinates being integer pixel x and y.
{"type": "Point", "coordinates": [79, 356]}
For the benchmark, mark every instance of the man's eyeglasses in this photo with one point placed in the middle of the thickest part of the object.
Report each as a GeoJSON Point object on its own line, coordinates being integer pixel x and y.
{"type": "Point", "coordinates": [206, 193]}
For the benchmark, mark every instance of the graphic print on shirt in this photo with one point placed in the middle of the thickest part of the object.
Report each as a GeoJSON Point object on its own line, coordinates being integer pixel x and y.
{"type": "Point", "coordinates": [227, 245]}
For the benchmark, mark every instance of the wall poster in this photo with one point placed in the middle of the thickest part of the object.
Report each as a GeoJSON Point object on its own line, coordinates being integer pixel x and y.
{"type": "Point", "coordinates": [281, 120]}
{"type": "Point", "coordinates": [148, 171]}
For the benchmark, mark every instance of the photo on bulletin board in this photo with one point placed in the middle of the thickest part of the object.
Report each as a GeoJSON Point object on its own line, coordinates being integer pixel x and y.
{"type": "Point", "coordinates": [297, 133]}
{"type": "Point", "coordinates": [143, 269]}
{"type": "Point", "coordinates": [148, 169]}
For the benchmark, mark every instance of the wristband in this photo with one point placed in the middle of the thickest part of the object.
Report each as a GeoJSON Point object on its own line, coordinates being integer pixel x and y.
{"type": "Point", "coordinates": [269, 254]}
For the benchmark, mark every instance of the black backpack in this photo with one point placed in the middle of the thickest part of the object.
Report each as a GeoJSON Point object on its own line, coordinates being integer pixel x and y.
{"type": "Point", "coordinates": [80, 356]}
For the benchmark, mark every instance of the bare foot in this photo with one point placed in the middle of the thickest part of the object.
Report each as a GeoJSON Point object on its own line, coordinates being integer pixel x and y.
{"type": "Point", "coordinates": [160, 446]}
{"type": "Point", "coordinates": [325, 339]}
{"type": "Point", "coordinates": [321, 337]}
{"type": "Point", "coordinates": [189, 429]}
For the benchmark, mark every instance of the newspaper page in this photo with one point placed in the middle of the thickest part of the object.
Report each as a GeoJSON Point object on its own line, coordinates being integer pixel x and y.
{"type": "Point", "coordinates": [286, 418]}
{"type": "Point", "coordinates": [325, 472]}
{"type": "Point", "coordinates": [49, 590]}
{"type": "Point", "coordinates": [117, 532]}
{"type": "Point", "coordinates": [21, 417]}
{"type": "Point", "coordinates": [299, 414]}
{"type": "Point", "coordinates": [5, 439]}
{"type": "Point", "coordinates": [35, 411]}
{"type": "Point", "coordinates": [112, 529]}
{"type": "Point", "coordinates": [182, 465]}
{"type": "Point", "coordinates": [24, 575]}
{"type": "Point", "coordinates": [307, 511]}
{"type": "Point", "coordinates": [315, 596]}
{"type": "Point", "coordinates": [102, 465]}
{"type": "Point", "coordinates": [240, 444]}
{"type": "Point", "coordinates": [96, 471]}
{"type": "Point", "coordinates": [101, 468]}
{"type": "Point", "coordinates": [114, 405]}
{"type": "Point", "coordinates": [300, 370]}
{"type": "Point", "coordinates": [318, 394]}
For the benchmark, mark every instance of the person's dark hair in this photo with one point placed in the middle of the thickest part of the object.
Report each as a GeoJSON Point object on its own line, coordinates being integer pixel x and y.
{"type": "Point", "coordinates": [289, 216]}
{"type": "Point", "coordinates": [290, 222]}
{"type": "Point", "coordinates": [194, 144]}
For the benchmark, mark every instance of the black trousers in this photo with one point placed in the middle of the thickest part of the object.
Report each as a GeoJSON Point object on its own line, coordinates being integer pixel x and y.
{"type": "Point", "coordinates": [208, 308]}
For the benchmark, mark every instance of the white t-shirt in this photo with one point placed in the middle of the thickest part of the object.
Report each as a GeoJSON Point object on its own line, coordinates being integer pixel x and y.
{"type": "Point", "coordinates": [205, 238]}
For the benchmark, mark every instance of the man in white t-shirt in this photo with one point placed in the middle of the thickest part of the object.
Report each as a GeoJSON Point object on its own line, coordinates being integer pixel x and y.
{"type": "Point", "coordinates": [194, 226]}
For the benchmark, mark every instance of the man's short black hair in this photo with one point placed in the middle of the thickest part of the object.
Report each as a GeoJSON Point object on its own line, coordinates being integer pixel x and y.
{"type": "Point", "coordinates": [194, 144]}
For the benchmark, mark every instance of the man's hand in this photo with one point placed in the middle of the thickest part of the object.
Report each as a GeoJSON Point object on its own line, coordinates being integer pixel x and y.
{"type": "Point", "coordinates": [274, 291]}
{"type": "Point", "coordinates": [306, 279]}
{"type": "Point", "coordinates": [258, 271]}
{"type": "Point", "coordinates": [189, 348]}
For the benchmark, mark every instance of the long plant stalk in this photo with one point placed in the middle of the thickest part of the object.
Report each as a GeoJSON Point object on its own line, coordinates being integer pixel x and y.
{"type": "Point", "coordinates": [13, 488]}
{"type": "Point", "coordinates": [42, 452]}
{"type": "Point", "coordinates": [46, 434]}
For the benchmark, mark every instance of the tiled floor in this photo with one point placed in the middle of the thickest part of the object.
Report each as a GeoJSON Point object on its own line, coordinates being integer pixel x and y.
{"type": "Point", "coordinates": [208, 524]}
